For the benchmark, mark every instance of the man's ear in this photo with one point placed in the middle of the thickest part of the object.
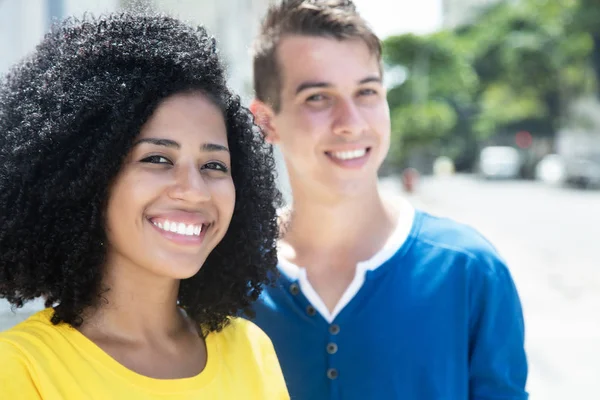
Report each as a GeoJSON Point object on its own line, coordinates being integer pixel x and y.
{"type": "Point", "coordinates": [263, 117]}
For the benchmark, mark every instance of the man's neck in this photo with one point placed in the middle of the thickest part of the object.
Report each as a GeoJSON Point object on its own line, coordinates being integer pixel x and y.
{"type": "Point", "coordinates": [356, 225]}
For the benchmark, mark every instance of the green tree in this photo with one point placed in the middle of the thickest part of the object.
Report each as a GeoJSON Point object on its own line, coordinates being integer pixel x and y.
{"type": "Point", "coordinates": [517, 66]}
{"type": "Point", "coordinates": [420, 124]}
{"type": "Point", "coordinates": [526, 55]}
{"type": "Point", "coordinates": [584, 21]}
{"type": "Point", "coordinates": [424, 106]}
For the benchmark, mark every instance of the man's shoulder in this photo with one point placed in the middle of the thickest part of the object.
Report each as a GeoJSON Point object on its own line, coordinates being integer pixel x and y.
{"type": "Point", "coordinates": [450, 236]}
{"type": "Point", "coordinates": [448, 248]}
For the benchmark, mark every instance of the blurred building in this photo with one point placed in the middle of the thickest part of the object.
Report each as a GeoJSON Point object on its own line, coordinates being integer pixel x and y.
{"type": "Point", "coordinates": [233, 22]}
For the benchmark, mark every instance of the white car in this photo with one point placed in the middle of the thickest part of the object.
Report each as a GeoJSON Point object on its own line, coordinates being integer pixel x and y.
{"type": "Point", "coordinates": [499, 162]}
{"type": "Point", "coordinates": [551, 170]}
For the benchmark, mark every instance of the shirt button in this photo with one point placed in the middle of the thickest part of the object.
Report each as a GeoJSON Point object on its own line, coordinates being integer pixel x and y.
{"type": "Point", "coordinates": [310, 310]}
{"type": "Point", "coordinates": [294, 289]}
{"type": "Point", "coordinates": [332, 348]}
{"type": "Point", "coordinates": [334, 329]}
{"type": "Point", "coordinates": [332, 373]}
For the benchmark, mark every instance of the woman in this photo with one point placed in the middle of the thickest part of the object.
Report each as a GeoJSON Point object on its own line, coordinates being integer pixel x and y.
{"type": "Point", "coordinates": [138, 201]}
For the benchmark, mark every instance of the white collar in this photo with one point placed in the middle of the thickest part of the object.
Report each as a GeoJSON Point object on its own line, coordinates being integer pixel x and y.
{"type": "Point", "coordinates": [391, 247]}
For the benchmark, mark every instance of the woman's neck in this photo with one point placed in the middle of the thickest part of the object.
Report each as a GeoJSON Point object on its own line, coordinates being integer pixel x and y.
{"type": "Point", "coordinates": [136, 305]}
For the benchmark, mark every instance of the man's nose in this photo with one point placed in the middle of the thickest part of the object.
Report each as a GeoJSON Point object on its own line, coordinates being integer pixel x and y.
{"type": "Point", "coordinates": [349, 119]}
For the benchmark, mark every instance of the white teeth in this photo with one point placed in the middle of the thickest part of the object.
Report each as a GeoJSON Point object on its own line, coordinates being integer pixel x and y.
{"type": "Point", "coordinates": [349, 155]}
{"type": "Point", "coordinates": [179, 228]}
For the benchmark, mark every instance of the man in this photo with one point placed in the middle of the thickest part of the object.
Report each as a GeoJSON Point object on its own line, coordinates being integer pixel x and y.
{"type": "Point", "coordinates": [376, 300]}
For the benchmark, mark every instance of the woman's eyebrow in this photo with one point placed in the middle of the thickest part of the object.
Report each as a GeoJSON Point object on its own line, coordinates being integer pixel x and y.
{"type": "Point", "coordinates": [214, 147]}
{"type": "Point", "coordinates": [210, 147]}
{"type": "Point", "coordinates": [159, 142]}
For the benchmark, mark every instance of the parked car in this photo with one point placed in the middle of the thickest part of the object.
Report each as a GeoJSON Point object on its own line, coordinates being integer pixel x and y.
{"type": "Point", "coordinates": [580, 152]}
{"type": "Point", "coordinates": [583, 171]}
{"type": "Point", "coordinates": [499, 162]}
{"type": "Point", "coordinates": [551, 170]}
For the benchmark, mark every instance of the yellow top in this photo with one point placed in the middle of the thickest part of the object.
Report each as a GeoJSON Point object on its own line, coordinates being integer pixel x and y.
{"type": "Point", "coordinates": [39, 360]}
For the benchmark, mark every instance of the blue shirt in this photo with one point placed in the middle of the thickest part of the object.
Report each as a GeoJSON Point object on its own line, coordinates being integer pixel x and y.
{"type": "Point", "coordinates": [438, 320]}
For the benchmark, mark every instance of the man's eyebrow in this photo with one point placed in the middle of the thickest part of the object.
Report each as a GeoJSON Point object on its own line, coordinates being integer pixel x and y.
{"type": "Point", "coordinates": [214, 147]}
{"type": "Point", "coordinates": [315, 84]}
{"type": "Point", "coordinates": [311, 85]}
{"type": "Point", "coordinates": [370, 79]}
{"type": "Point", "coordinates": [159, 142]}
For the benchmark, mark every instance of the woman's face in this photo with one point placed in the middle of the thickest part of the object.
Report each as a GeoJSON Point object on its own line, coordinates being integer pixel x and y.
{"type": "Point", "coordinates": [173, 200]}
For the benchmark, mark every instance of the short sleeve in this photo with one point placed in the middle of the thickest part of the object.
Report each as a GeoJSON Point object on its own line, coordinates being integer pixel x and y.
{"type": "Point", "coordinates": [498, 363]}
{"type": "Point", "coordinates": [16, 381]}
{"type": "Point", "coordinates": [273, 370]}
{"type": "Point", "coordinates": [267, 363]}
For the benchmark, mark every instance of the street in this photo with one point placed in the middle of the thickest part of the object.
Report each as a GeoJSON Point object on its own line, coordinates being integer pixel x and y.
{"type": "Point", "coordinates": [550, 240]}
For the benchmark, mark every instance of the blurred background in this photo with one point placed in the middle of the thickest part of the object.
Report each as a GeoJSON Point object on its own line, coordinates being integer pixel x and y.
{"type": "Point", "coordinates": [495, 122]}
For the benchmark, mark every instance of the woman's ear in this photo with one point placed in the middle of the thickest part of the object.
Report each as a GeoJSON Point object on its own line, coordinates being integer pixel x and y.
{"type": "Point", "coordinates": [263, 117]}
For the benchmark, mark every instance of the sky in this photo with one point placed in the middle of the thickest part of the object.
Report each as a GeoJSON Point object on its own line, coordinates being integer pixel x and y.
{"type": "Point", "coordinates": [389, 17]}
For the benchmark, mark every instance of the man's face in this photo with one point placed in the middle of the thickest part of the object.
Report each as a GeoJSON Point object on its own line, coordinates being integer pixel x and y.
{"type": "Point", "coordinates": [333, 125]}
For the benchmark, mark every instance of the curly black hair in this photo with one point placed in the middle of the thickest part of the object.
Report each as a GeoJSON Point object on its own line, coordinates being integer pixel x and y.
{"type": "Point", "coordinates": [69, 114]}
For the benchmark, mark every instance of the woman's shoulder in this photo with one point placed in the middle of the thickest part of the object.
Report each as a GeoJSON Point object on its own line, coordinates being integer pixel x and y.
{"type": "Point", "coordinates": [30, 335]}
{"type": "Point", "coordinates": [244, 343]}
{"type": "Point", "coordinates": [243, 340]}
{"type": "Point", "coordinates": [242, 331]}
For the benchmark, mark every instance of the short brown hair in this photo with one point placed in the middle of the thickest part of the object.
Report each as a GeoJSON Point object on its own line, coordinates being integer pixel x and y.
{"type": "Point", "coordinates": [337, 19]}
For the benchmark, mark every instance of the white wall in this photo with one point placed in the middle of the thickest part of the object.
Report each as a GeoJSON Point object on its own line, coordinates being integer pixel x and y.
{"type": "Point", "coordinates": [77, 8]}
{"type": "Point", "coordinates": [22, 26]}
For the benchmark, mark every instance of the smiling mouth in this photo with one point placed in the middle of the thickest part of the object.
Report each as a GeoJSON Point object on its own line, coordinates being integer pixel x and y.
{"type": "Point", "coordinates": [348, 155]}
{"type": "Point", "coordinates": [180, 228]}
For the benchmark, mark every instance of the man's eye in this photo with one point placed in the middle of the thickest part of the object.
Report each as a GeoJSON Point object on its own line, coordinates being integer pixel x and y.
{"type": "Point", "coordinates": [157, 160]}
{"type": "Point", "coordinates": [367, 92]}
{"type": "Point", "coordinates": [217, 166]}
{"type": "Point", "coordinates": [316, 97]}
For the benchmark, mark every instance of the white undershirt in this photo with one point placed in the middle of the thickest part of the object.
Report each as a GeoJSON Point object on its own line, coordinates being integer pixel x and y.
{"type": "Point", "coordinates": [391, 247]}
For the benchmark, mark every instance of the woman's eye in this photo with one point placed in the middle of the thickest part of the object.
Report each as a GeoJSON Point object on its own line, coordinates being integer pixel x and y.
{"type": "Point", "coordinates": [217, 166]}
{"type": "Point", "coordinates": [157, 160]}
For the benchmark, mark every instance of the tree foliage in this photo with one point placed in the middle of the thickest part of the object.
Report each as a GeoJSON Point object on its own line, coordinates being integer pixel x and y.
{"type": "Point", "coordinates": [519, 64]}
